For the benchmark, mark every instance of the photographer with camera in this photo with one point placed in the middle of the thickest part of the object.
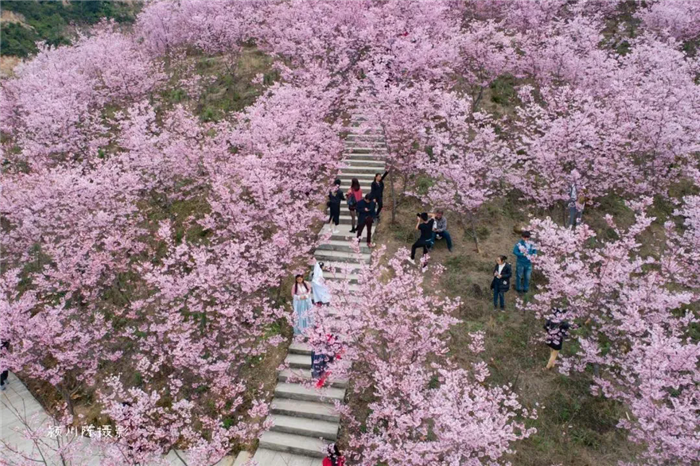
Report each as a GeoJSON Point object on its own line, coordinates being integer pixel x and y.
{"type": "Point", "coordinates": [425, 226]}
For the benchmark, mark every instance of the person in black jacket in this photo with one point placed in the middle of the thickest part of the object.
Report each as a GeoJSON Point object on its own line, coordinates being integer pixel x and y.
{"type": "Point", "coordinates": [4, 345]}
{"type": "Point", "coordinates": [557, 329]}
{"type": "Point", "coordinates": [501, 281]}
{"type": "Point", "coordinates": [377, 191]}
{"type": "Point", "coordinates": [366, 211]}
{"type": "Point", "coordinates": [425, 226]}
{"type": "Point", "coordinates": [335, 197]}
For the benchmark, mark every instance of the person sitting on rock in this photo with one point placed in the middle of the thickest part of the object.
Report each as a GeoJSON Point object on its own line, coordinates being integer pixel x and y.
{"type": "Point", "coordinates": [440, 229]}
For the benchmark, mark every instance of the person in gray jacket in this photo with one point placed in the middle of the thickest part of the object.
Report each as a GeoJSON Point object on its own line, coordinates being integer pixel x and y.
{"type": "Point", "coordinates": [440, 229]}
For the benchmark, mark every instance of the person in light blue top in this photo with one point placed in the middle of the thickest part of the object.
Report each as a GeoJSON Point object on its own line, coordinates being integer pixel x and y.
{"type": "Point", "coordinates": [301, 299]}
{"type": "Point", "coordinates": [523, 249]}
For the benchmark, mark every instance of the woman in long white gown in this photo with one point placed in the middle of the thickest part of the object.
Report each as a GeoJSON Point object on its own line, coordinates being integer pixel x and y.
{"type": "Point", "coordinates": [301, 300]}
{"type": "Point", "coordinates": [322, 294]}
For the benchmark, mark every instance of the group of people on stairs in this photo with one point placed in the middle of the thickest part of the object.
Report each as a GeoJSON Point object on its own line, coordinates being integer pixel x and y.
{"type": "Point", "coordinates": [364, 210]}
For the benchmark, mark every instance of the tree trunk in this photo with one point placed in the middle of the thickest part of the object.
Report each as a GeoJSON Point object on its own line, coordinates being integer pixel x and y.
{"type": "Point", "coordinates": [393, 197]}
{"type": "Point", "coordinates": [472, 221]}
{"type": "Point", "coordinates": [65, 394]}
{"type": "Point", "coordinates": [477, 100]}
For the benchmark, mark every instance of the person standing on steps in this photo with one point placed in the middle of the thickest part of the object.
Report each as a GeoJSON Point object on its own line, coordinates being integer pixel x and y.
{"type": "Point", "coordinates": [501, 281]}
{"type": "Point", "coordinates": [335, 197]}
{"type": "Point", "coordinates": [321, 293]}
{"type": "Point", "coordinates": [301, 300]}
{"type": "Point", "coordinates": [366, 210]}
{"type": "Point", "coordinates": [425, 226]}
{"type": "Point", "coordinates": [523, 250]}
{"type": "Point", "coordinates": [354, 196]}
{"type": "Point", "coordinates": [326, 348]}
{"type": "Point", "coordinates": [557, 329]}
{"type": "Point", "coordinates": [377, 192]}
{"type": "Point", "coordinates": [440, 229]}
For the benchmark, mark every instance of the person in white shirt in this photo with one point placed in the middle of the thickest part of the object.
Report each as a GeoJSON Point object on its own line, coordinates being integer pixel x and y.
{"type": "Point", "coordinates": [501, 281]}
{"type": "Point", "coordinates": [318, 285]}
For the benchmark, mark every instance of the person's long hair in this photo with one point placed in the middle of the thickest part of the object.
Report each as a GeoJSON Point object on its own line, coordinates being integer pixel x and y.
{"type": "Point", "coordinates": [355, 184]}
{"type": "Point", "coordinates": [296, 284]}
{"type": "Point", "coordinates": [334, 454]}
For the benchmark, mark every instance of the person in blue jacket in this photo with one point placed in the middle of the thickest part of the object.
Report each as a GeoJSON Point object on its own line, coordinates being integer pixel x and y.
{"type": "Point", "coordinates": [523, 249]}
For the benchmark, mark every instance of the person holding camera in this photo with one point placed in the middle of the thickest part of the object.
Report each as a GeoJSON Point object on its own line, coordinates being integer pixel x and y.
{"type": "Point", "coordinates": [425, 226]}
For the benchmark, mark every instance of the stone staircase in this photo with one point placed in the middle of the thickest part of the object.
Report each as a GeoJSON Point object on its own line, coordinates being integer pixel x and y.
{"type": "Point", "coordinates": [304, 419]}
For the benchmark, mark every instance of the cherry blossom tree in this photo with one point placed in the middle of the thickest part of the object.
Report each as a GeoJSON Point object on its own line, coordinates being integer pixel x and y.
{"type": "Point", "coordinates": [424, 410]}
{"type": "Point", "coordinates": [677, 18]}
{"type": "Point", "coordinates": [635, 318]}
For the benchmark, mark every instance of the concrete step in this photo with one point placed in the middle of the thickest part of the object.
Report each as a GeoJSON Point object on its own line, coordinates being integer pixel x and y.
{"type": "Point", "coordinates": [368, 163]}
{"type": "Point", "coordinates": [298, 361]}
{"type": "Point", "coordinates": [292, 391]}
{"type": "Point", "coordinates": [339, 256]}
{"type": "Point", "coordinates": [344, 219]}
{"type": "Point", "coordinates": [370, 138]}
{"type": "Point", "coordinates": [352, 279]}
{"type": "Point", "coordinates": [266, 457]}
{"type": "Point", "coordinates": [305, 409]}
{"type": "Point", "coordinates": [299, 348]}
{"type": "Point", "coordinates": [341, 268]}
{"type": "Point", "coordinates": [305, 375]}
{"type": "Point", "coordinates": [365, 178]}
{"type": "Point", "coordinates": [360, 144]}
{"type": "Point", "coordinates": [342, 245]}
{"type": "Point", "coordinates": [375, 157]}
{"type": "Point", "coordinates": [365, 150]}
{"type": "Point", "coordinates": [290, 443]}
{"type": "Point", "coordinates": [306, 427]}
{"type": "Point", "coordinates": [362, 170]}
{"type": "Point", "coordinates": [353, 131]}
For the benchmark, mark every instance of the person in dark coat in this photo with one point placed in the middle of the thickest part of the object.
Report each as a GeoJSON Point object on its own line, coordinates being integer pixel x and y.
{"type": "Point", "coordinates": [4, 345]}
{"type": "Point", "coordinates": [557, 329]}
{"type": "Point", "coordinates": [335, 197]}
{"type": "Point", "coordinates": [366, 211]}
{"type": "Point", "coordinates": [501, 281]}
{"type": "Point", "coordinates": [425, 226]}
{"type": "Point", "coordinates": [377, 191]}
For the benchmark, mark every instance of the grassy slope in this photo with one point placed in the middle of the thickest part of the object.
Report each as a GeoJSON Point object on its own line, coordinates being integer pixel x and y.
{"type": "Point", "coordinates": [574, 428]}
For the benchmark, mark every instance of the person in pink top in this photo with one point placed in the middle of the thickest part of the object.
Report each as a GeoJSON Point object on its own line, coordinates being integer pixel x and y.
{"type": "Point", "coordinates": [354, 196]}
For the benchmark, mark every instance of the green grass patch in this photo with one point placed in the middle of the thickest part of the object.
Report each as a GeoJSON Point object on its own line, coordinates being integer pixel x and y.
{"type": "Point", "coordinates": [49, 21]}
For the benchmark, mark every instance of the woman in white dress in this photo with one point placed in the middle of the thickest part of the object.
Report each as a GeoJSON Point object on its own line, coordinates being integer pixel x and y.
{"type": "Point", "coordinates": [301, 299]}
{"type": "Point", "coordinates": [321, 293]}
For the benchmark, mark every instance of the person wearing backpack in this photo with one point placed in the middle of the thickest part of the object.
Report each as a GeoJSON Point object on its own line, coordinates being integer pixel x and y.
{"type": "Point", "coordinates": [335, 197]}
{"type": "Point", "coordinates": [354, 195]}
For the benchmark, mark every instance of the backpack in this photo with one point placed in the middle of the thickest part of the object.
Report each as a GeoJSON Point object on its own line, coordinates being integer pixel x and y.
{"type": "Point", "coordinates": [352, 202]}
